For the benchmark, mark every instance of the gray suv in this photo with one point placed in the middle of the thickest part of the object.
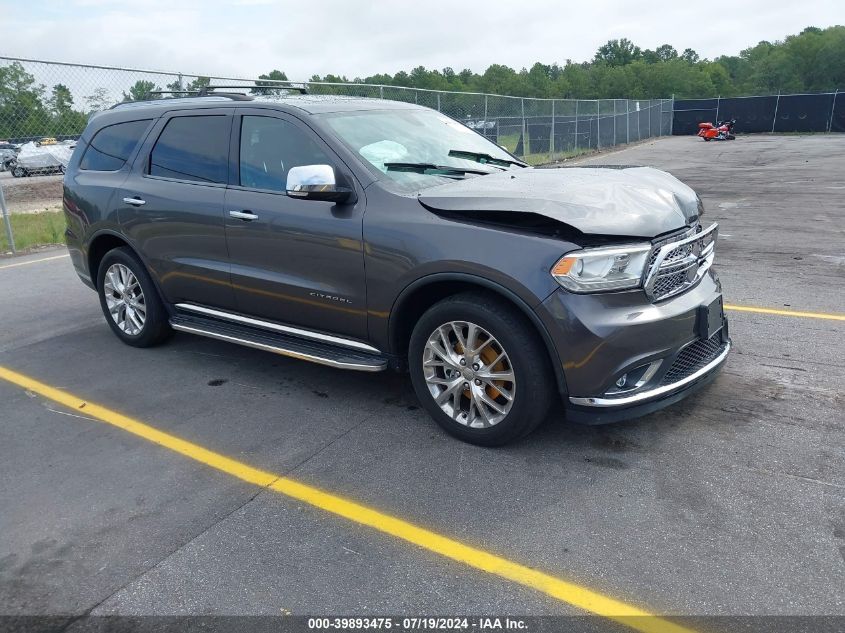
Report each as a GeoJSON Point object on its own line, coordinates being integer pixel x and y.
{"type": "Point", "coordinates": [368, 234]}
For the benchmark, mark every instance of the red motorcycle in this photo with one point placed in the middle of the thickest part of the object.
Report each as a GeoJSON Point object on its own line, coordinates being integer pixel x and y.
{"type": "Point", "coordinates": [722, 131]}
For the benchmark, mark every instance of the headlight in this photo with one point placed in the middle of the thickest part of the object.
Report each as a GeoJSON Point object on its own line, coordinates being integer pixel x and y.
{"type": "Point", "coordinates": [598, 269]}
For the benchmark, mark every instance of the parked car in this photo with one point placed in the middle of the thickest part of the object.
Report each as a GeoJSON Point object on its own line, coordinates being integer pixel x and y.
{"type": "Point", "coordinates": [8, 155]}
{"type": "Point", "coordinates": [38, 160]}
{"type": "Point", "coordinates": [368, 234]}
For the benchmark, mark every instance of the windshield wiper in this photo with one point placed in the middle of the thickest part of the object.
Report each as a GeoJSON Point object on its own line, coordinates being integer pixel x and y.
{"type": "Point", "coordinates": [440, 170]}
{"type": "Point", "coordinates": [480, 157]}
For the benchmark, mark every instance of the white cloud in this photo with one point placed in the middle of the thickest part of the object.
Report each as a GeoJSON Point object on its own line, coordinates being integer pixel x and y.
{"type": "Point", "coordinates": [248, 37]}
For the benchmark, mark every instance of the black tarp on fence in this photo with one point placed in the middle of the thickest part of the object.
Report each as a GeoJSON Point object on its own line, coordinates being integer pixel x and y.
{"type": "Point", "coordinates": [822, 112]}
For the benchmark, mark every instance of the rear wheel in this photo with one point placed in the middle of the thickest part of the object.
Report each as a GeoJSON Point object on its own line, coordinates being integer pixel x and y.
{"type": "Point", "coordinates": [480, 370]}
{"type": "Point", "coordinates": [19, 172]}
{"type": "Point", "coordinates": [130, 300]}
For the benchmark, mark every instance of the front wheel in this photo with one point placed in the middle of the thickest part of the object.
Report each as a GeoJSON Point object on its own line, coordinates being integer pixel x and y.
{"type": "Point", "coordinates": [130, 300]}
{"type": "Point", "coordinates": [19, 172]}
{"type": "Point", "coordinates": [480, 370]}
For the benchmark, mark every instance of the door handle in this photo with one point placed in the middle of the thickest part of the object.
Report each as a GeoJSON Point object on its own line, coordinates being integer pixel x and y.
{"type": "Point", "coordinates": [135, 202]}
{"type": "Point", "coordinates": [247, 216]}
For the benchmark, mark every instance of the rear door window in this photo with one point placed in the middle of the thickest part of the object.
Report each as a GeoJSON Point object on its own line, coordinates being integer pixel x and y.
{"type": "Point", "coordinates": [112, 146]}
{"type": "Point", "coordinates": [193, 148]}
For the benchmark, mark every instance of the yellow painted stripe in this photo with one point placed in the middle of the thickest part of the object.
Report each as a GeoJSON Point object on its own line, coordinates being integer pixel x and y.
{"type": "Point", "coordinates": [791, 313]}
{"type": "Point", "coordinates": [558, 588]}
{"type": "Point", "coordinates": [33, 261]}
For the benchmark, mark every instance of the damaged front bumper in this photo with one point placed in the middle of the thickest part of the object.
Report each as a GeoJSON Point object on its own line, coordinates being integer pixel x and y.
{"type": "Point", "coordinates": [623, 357]}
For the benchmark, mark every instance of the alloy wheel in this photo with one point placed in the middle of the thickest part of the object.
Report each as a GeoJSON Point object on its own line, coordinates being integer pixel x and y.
{"type": "Point", "coordinates": [469, 375]}
{"type": "Point", "coordinates": [125, 299]}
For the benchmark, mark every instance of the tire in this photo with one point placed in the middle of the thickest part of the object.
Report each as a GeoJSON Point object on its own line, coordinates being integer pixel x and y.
{"type": "Point", "coordinates": [19, 172]}
{"type": "Point", "coordinates": [144, 321]}
{"type": "Point", "coordinates": [520, 404]}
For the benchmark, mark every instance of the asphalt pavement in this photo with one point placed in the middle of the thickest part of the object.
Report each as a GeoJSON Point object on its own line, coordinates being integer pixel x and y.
{"type": "Point", "coordinates": [731, 502]}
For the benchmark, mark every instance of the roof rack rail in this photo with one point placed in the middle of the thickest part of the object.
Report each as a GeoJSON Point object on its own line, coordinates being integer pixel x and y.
{"type": "Point", "coordinates": [202, 92]}
{"type": "Point", "coordinates": [211, 91]}
{"type": "Point", "coordinates": [208, 91]}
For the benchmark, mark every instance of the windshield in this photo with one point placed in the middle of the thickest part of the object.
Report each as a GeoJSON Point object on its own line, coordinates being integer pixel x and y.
{"type": "Point", "coordinates": [415, 148]}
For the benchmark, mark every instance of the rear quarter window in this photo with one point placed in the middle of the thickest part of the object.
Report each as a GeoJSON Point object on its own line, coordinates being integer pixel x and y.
{"type": "Point", "coordinates": [112, 146]}
{"type": "Point", "coordinates": [193, 148]}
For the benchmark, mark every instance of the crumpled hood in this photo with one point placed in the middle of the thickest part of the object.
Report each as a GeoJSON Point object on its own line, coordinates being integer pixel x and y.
{"type": "Point", "coordinates": [631, 201]}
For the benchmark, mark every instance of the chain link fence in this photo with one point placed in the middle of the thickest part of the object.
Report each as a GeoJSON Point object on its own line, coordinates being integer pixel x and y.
{"type": "Point", "coordinates": [41, 99]}
{"type": "Point", "coordinates": [46, 105]}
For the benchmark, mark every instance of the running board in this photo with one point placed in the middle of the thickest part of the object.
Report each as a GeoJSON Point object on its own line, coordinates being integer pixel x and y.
{"type": "Point", "coordinates": [285, 345]}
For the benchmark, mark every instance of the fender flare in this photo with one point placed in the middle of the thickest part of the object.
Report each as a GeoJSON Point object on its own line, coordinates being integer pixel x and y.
{"type": "Point", "coordinates": [112, 233]}
{"type": "Point", "coordinates": [496, 288]}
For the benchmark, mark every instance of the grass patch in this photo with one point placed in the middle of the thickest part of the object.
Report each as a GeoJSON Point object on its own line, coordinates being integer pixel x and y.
{"type": "Point", "coordinates": [34, 229]}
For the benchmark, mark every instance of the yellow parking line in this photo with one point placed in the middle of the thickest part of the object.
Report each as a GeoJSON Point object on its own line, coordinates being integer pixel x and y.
{"type": "Point", "coordinates": [563, 590]}
{"type": "Point", "coordinates": [792, 313]}
{"type": "Point", "coordinates": [33, 261]}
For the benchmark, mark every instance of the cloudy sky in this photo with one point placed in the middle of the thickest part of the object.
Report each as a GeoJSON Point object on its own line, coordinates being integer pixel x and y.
{"type": "Point", "coordinates": [242, 38]}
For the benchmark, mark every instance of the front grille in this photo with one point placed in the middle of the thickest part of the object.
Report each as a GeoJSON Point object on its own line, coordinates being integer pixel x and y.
{"type": "Point", "coordinates": [693, 357]}
{"type": "Point", "coordinates": [666, 284]}
{"type": "Point", "coordinates": [680, 267]}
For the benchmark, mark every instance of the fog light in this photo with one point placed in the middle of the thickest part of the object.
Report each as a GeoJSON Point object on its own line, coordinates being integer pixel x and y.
{"type": "Point", "coordinates": [621, 382]}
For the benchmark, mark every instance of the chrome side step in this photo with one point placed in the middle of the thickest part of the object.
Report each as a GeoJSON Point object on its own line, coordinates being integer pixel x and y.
{"type": "Point", "coordinates": [276, 327]}
{"type": "Point", "coordinates": [285, 345]}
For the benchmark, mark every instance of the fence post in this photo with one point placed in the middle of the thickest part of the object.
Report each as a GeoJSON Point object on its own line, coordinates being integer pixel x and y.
{"type": "Point", "coordinates": [553, 130]}
{"type": "Point", "coordinates": [485, 121]}
{"type": "Point", "coordinates": [598, 124]}
{"type": "Point", "coordinates": [438, 102]}
{"type": "Point", "coordinates": [7, 221]}
{"type": "Point", "coordinates": [381, 92]}
{"type": "Point", "coordinates": [650, 110]}
{"type": "Point", "coordinates": [525, 149]}
{"type": "Point", "coordinates": [832, 108]}
{"type": "Point", "coordinates": [672, 117]}
{"type": "Point", "coordinates": [576, 125]}
{"type": "Point", "coordinates": [718, 103]}
{"type": "Point", "coordinates": [614, 121]}
{"type": "Point", "coordinates": [775, 118]}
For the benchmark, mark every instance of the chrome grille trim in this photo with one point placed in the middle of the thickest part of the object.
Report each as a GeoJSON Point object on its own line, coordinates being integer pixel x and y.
{"type": "Point", "coordinates": [693, 357]}
{"type": "Point", "coordinates": [657, 391]}
{"type": "Point", "coordinates": [676, 265]}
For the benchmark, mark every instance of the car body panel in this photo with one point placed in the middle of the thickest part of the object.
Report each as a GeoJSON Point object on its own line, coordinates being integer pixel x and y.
{"type": "Point", "coordinates": [349, 269]}
{"type": "Point", "coordinates": [180, 229]}
{"type": "Point", "coordinates": [638, 201]}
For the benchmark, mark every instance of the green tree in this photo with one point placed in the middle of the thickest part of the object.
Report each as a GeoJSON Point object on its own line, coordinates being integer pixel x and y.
{"type": "Point", "coordinates": [690, 56]}
{"type": "Point", "coordinates": [61, 100]}
{"type": "Point", "coordinates": [266, 87]}
{"type": "Point", "coordinates": [22, 112]}
{"type": "Point", "coordinates": [618, 52]}
{"type": "Point", "coordinates": [99, 100]}
{"type": "Point", "coordinates": [140, 91]}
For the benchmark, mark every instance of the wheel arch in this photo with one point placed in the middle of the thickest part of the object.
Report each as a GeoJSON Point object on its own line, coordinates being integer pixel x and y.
{"type": "Point", "coordinates": [99, 245]}
{"type": "Point", "coordinates": [420, 295]}
{"type": "Point", "coordinates": [105, 241]}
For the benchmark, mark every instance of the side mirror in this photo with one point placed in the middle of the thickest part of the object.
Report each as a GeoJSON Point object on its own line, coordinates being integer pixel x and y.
{"type": "Point", "coordinates": [316, 182]}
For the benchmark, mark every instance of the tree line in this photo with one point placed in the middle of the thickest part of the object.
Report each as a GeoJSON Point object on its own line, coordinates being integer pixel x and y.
{"type": "Point", "coordinates": [811, 61]}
